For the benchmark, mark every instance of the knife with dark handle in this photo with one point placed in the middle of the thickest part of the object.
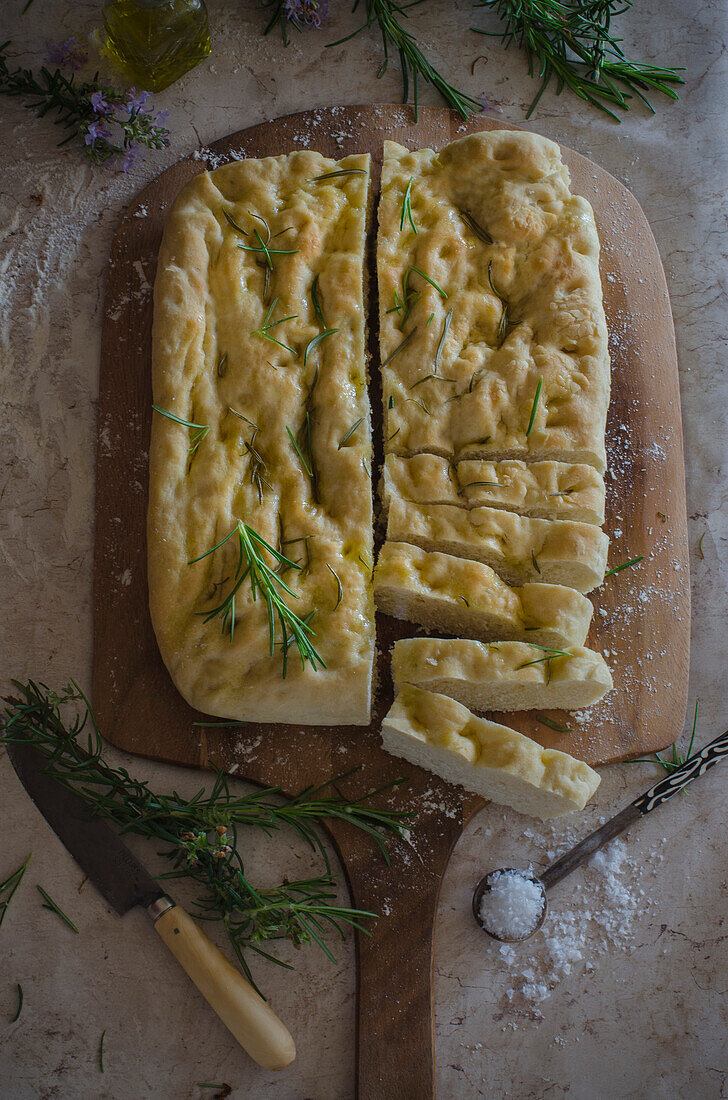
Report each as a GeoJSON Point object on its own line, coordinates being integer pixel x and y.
{"type": "Point", "coordinates": [125, 883]}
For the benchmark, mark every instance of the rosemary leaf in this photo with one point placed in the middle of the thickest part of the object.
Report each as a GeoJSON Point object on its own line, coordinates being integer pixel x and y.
{"type": "Point", "coordinates": [624, 565]}
{"type": "Point", "coordinates": [545, 721]}
{"type": "Point", "coordinates": [200, 430]}
{"type": "Point", "coordinates": [53, 907]}
{"type": "Point", "coordinates": [241, 417]}
{"type": "Point", "coordinates": [390, 404]}
{"type": "Point", "coordinates": [222, 365]}
{"type": "Point", "coordinates": [532, 417]}
{"type": "Point", "coordinates": [473, 226]}
{"type": "Point", "coordinates": [407, 209]}
{"type": "Point", "coordinates": [536, 566]}
{"type": "Point", "coordinates": [316, 303]}
{"type": "Point", "coordinates": [400, 347]}
{"type": "Point", "coordinates": [350, 432]}
{"type": "Point", "coordinates": [340, 592]}
{"type": "Point", "coordinates": [19, 1008]}
{"type": "Point", "coordinates": [433, 378]}
{"type": "Point", "coordinates": [298, 451]}
{"type": "Point", "coordinates": [231, 221]}
{"type": "Point", "coordinates": [9, 886]}
{"type": "Point", "coordinates": [443, 337]}
{"type": "Point", "coordinates": [316, 341]}
{"type": "Point", "coordinates": [101, 1051]}
{"type": "Point", "coordinates": [337, 173]}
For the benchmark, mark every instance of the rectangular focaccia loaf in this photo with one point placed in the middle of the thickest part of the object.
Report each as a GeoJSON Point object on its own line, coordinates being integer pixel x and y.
{"type": "Point", "coordinates": [544, 490]}
{"type": "Point", "coordinates": [459, 596]}
{"type": "Point", "coordinates": [518, 548]}
{"type": "Point", "coordinates": [493, 337]}
{"type": "Point", "coordinates": [259, 341]}
{"type": "Point", "coordinates": [494, 761]}
{"type": "Point", "coordinates": [502, 675]}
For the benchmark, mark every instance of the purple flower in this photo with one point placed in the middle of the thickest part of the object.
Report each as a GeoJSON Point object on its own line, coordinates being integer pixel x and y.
{"type": "Point", "coordinates": [99, 104]}
{"type": "Point", "coordinates": [161, 118]}
{"type": "Point", "coordinates": [96, 131]}
{"type": "Point", "coordinates": [136, 101]}
{"type": "Point", "coordinates": [130, 158]}
{"type": "Point", "coordinates": [70, 53]}
{"type": "Point", "coordinates": [305, 13]}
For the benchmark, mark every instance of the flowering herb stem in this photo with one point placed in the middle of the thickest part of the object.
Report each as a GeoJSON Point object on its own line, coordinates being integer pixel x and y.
{"type": "Point", "coordinates": [54, 907]}
{"type": "Point", "coordinates": [111, 123]}
{"type": "Point", "coordinates": [199, 834]}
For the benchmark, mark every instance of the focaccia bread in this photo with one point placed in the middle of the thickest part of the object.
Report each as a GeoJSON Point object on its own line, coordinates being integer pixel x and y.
{"type": "Point", "coordinates": [544, 490]}
{"type": "Point", "coordinates": [259, 342]}
{"type": "Point", "coordinates": [492, 329]}
{"type": "Point", "coordinates": [460, 596]}
{"type": "Point", "coordinates": [502, 675]}
{"type": "Point", "coordinates": [519, 548]}
{"type": "Point", "coordinates": [496, 762]}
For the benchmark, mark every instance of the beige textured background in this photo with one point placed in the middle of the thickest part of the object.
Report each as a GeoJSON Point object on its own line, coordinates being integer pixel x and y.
{"type": "Point", "coordinates": [643, 1012]}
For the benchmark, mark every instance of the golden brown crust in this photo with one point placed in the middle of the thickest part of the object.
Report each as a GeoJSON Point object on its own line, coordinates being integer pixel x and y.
{"type": "Point", "coordinates": [210, 298]}
{"type": "Point", "coordinates": [544, 265]}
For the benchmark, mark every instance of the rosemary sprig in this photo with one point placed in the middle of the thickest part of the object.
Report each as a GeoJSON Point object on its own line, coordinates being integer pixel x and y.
{"type": "Point", "coordinates": [252, 566]}
{"type": "Point", "coordinates": [200, 430]}
{"type": "Point", "coordinates": [54, 907]}
{"type": "Point", "coordinates": [546, 721]}
{"type": "Point", "coordinates": [410, 296]}
{"type": "Point", "coordinates": [475, 228]}
{"type": "Point", "coordinates": [624, 565]}
{"type": "Point", "coordinates": [572, 42]}
{"type": "Point", "coordinates": [406, 214]}
{"type": "Point", "coordinates": [534, 407]}
{"type": "Point", "coordinates": [19, 1008]}
{"type": "Point", "coordinates": [677, 760]}
{"type": "Point", "coordinates": [387, 15]}
{"type": "Point", "coordinates": [350, 432]}
{"type": "Point", "coordinates": [9, 886]}
{"type": "Point", "coordinates": [200, 833]}
{"type": "Point", "coordinates": [266, 326]}
{"type": "Point", "coordinates": [337, 173]}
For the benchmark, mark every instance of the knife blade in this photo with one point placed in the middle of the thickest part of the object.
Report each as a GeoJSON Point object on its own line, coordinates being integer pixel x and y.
{"type": "Point", "coordinates": [113, 869]}
{"type": "Point", "coordinates": [125, 883]}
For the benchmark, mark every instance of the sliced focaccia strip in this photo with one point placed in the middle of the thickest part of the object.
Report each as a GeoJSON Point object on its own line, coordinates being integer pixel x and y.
{"type": "Point", "coordinates": [259, 343]}
{"type": "Point", "coordinates": [519, 548]}
{"type": "Point", "coordinates": [502, 675]}
{"type": "Point", "coordinates": [544, 490]}
{"type": "Point", "coordinates": [496, 762]}
{"type": "Point", "coordinates": [492, 329]}
{"type": "Point", "coordinates": [459, 596]}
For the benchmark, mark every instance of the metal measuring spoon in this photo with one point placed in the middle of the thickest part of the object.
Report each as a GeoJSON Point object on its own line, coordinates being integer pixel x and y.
{"type": "Point", "coordinates": [660, 792]}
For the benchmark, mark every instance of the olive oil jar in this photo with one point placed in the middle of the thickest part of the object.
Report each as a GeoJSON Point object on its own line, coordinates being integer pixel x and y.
{"type": "Point", "coordinates": [155, 41]}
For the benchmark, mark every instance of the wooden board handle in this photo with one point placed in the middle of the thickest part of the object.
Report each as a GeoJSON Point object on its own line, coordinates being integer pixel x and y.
{"type": "Point", "coordinates": [243, 1011]}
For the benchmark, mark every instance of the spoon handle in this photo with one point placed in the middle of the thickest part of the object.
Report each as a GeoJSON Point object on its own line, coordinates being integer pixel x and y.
{"type": "Point", "coordinates": [708, 757]}
{"type": "Point", "coordinates": [715, 751]}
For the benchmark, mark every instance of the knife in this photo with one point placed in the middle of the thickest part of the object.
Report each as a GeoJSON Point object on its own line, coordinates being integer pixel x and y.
{"type": "Point", "coordinates": [124, 882]}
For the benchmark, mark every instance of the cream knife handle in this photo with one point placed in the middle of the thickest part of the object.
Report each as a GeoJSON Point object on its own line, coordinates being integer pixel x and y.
{"type": "Point", "coordinates": [243, 1011]}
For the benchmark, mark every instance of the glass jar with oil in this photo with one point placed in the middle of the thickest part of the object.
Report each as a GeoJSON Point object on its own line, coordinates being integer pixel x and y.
{"type": "Point", "coordinates": [155, 41]}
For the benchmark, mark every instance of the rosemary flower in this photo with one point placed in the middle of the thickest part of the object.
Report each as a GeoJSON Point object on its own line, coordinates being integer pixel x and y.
{"type": "Point", "coordinates": [70, 54]}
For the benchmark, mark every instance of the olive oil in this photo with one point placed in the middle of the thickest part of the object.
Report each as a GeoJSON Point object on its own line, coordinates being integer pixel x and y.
{"type": "Point", "coordinates": [155, 41]}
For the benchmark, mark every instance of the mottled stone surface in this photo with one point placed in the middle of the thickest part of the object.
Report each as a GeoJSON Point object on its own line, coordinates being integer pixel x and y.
{"type": "Point", "coordinates": [643, 1012]}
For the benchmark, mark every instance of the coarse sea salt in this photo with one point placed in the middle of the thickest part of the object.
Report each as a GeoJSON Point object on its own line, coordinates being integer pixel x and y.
{"type": "Point", "coordinates": [511, 905]}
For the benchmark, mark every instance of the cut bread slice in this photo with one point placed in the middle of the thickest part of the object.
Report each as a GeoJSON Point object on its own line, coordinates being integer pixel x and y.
{"type": "Point", "coordinates": [459, 596]}
{"type": "Point", "coordinates": [502, 675]}
{"type": "Point", "coordinates": [494, 761]}
{"type": "Point", "coordinates": [519, 548]}
{"type": "Point", "coordinates": [545, 490]}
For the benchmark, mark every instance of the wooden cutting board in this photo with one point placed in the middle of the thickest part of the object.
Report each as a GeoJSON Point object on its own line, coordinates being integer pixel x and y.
{"type": "Point", "coordinates": [641, 621]}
